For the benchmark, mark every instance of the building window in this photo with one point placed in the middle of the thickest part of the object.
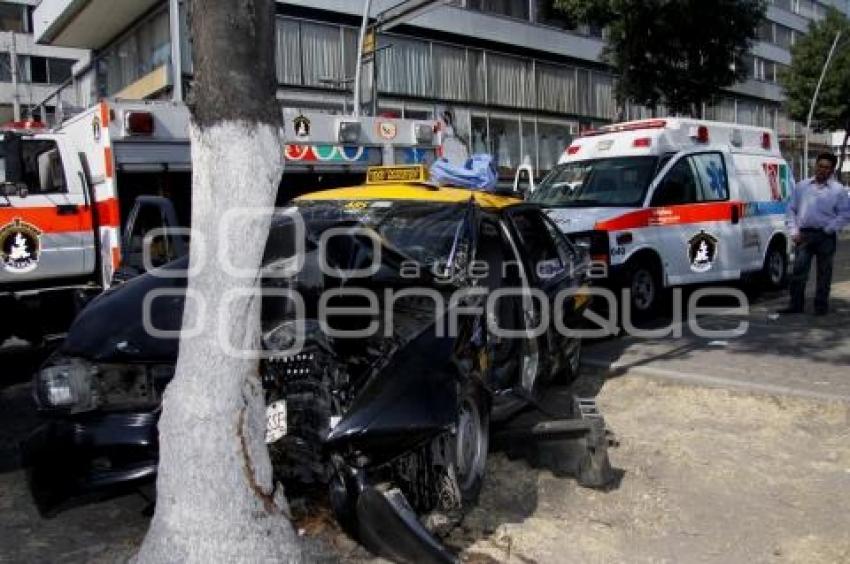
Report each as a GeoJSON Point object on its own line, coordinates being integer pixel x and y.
{"type": "Point", "coordinates": [15, 17]}
{"type": "Point", "coordinates": [512, 8]}
{"type": "Point", "coordinates": [451, 76]}
{"type": "Point", "coordinates": [142, 50]}
{"type": "Point", "coordinates": [784, 36]}
{"type": "Point", "coordinates": [508, 81]}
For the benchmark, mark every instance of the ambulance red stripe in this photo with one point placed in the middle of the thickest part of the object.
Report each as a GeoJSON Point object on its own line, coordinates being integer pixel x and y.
{"type": "Point", "coordinates": [671, 215]}
{"type": "Point", "coordinates": [48, 220]}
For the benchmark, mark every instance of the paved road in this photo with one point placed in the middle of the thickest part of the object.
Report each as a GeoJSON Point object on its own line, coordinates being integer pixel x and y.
{"type": "Point", "coordinates": [799, 355]}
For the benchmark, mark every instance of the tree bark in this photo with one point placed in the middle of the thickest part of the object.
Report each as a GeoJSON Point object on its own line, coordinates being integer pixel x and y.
{"type": "Point", "coordinates": [216, 499]}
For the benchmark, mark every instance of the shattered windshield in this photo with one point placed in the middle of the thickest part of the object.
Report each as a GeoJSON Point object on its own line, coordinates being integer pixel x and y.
{"type": "Point", "coordinates": [615, 182]}
{"type": "Point", "coordinates": [424, 235]}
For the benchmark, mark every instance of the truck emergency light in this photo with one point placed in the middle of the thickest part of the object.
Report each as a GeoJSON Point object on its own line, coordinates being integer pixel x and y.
{"type": "Point", "coordinates": [348, 132]}
{"type": "Point", "coordinates": [23, 124]}
{"type": "Point", "coordinates": [138, 123]}
{"type": "Point", "coordinates": [633, 126]}
{"type": "Point", "coordinates": [573, 149]}
{"type": "Point", "coordinates": [642, 142]}
{"type": "Point", "coordinates": [423, 133]}
{"type": "Point", "coordinates": [699, 134]}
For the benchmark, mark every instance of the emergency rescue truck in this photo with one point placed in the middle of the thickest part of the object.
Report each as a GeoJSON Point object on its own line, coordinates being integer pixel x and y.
{"type": "Point", "coordinates": [669, 202]}
{"type": "Point", "coordinates": [77, 201]}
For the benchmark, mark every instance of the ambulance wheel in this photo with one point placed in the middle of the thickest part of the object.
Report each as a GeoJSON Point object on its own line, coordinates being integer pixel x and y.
{"type": "Point", "coordinates": [643, 280]}
{"type": "Point", "coordinates": [774, 273]}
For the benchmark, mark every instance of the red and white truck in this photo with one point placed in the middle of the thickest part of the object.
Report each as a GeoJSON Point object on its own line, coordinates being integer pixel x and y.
{"type": "Point", "coordinates": [75, 201]}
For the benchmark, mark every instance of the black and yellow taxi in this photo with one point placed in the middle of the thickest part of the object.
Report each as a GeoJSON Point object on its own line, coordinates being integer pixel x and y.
{"type": "Point", "coordinates": [427, 312]}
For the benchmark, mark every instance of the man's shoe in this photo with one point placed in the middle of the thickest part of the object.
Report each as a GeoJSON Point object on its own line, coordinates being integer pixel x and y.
{"type": "Point", "coordinates": [821, 312]}
{"type": "Point", "coordinates": [789, 310]}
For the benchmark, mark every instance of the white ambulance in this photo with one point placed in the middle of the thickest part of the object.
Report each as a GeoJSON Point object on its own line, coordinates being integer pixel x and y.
{"type": "Point", "coordinates": [674, 201]}
{"type": "Point", "coordinates": [76, 201]}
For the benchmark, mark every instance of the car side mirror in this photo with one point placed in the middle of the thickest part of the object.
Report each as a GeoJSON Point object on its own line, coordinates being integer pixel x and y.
{"type": "Point", "coordinates": [524, 181]}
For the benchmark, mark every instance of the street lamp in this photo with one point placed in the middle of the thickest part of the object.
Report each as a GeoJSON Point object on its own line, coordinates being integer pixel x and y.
{"type": "Point", "coordinates": [812, 106]}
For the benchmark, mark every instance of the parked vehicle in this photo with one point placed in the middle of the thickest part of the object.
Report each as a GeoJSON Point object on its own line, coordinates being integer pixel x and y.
{"type": "Point", "coordinates": [76, 201]}
{"type": "Point", "coordinates": [396, 423]}
{"type": "Point", "coordinates": [668, 202]}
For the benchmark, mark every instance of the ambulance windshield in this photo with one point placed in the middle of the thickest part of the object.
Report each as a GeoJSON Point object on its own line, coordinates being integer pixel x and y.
{"type": "Point", "coordinates": [611, 182]}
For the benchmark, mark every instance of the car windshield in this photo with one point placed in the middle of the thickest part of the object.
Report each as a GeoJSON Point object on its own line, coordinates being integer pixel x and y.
{"type": "Point", "coordinates": [616, 181]}
{"type": "Point", "coordinates": [426, 233]}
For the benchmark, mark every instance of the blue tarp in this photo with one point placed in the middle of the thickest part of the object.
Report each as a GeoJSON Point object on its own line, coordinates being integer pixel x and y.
{"type": "Point", "coordinates": [477, 173]}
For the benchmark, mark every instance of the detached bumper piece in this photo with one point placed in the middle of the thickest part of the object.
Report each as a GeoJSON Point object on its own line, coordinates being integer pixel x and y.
{"type": "Point", "coordinates": [86, 455]}
{"type": "Point", "coordinates": [575, 445]}
{"type": "Point", "coordinates": [388, 526]}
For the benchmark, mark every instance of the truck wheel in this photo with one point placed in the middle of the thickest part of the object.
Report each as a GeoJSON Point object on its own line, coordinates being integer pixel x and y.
{"type": "Point", "coordinates": [646, 291]}
{"type": "Point", "coordinates": [774, 273]}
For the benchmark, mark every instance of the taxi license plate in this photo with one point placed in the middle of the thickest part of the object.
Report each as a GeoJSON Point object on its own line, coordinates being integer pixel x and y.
{"type": "Point", "coordinates": [275, 421]}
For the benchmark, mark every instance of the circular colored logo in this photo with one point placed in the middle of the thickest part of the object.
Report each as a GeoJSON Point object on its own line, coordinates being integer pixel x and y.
{"type": "Point", "coordinates": [20, 247]}
{"type": "Point", "coordinates": [387, 130]}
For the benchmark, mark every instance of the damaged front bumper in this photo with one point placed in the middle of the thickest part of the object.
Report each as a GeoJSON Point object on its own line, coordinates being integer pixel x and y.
{"type": "Point", "coordinates": [66, 457]}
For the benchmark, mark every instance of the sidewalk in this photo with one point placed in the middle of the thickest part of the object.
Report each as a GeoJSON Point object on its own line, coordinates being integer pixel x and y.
{"type": "Point", "coordinates": [799, 355]}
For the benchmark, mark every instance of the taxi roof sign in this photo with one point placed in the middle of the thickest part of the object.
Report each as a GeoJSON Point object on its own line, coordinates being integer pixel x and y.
{"type": "Point", "coordinates": [396, 174]}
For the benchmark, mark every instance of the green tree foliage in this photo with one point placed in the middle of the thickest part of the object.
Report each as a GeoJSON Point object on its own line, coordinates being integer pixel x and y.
{"type": "Point", "coordinates": [808, 55]}
{"type": "Point", "coordinates": [676, 52]}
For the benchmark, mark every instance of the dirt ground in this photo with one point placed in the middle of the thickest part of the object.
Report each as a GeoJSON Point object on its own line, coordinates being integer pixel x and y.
{"type": "Point", "coordinates": [706, 476]}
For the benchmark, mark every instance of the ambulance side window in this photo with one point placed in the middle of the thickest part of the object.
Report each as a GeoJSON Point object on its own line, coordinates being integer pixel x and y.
{"type": "Point", "coordinates": [678, 187]}
{"type": "Point", "coordinates": [714, 185]}
{"type": "Point", "coordinates": [42, 167]}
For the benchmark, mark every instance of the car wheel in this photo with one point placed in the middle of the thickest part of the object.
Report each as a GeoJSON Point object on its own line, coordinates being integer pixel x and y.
{"type": "Point", "coordinates": [572, 366]}
{"type": "Point", "coordinates": [775, 270]}
{"type": "Point", "coordinates": [644, 284]}
{"type": "Point", "coordinates": [471, 443]}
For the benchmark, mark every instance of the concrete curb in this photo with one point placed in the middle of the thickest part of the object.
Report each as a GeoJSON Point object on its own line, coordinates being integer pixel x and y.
{"type": "Point", "coordinates": [711, 381]}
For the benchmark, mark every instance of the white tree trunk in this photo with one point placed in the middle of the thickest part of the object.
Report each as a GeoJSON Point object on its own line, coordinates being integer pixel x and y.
{"type": "Point", "coordinates": [216, 500]}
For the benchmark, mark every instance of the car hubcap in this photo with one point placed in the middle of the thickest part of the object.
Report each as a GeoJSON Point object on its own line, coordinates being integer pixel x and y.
{"type": "Point", "coordinates": [643, 289]}
{"type": "Point", "coordinates": [470, 444]}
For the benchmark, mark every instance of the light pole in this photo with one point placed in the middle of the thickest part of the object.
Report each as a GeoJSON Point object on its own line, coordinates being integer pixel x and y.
{"type": "Point", "coordinates": [812, 106]}
{"type": "Point", "coordinates": [367, 7]}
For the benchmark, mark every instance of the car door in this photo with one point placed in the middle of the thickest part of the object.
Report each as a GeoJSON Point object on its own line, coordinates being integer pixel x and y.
{"type": "Point", "coordinates": [695, 226]}
{"type": "Point", "coordinates": [45, 215]}
{"type": "Point", "coordinates": [548, 271]}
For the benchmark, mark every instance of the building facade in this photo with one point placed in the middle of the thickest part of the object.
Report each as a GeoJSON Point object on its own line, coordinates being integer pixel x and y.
{"type": "Point", "coordinates": [508, 74]}
{"type": "Point", "coordinates": [30, 72]}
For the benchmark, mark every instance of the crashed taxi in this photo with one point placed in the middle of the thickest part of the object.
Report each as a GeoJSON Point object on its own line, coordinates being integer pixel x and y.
{"type": "Point", "coordinates": [428, 316]}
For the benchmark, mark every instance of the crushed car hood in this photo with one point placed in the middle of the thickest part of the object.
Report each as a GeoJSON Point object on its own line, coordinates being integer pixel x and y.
{"type": "Point", "coordinates": [111, 327]}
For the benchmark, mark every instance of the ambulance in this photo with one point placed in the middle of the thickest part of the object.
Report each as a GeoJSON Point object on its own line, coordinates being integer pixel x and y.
{"type": "Point", "coordinates": [673, 201]}
{"type": "Point", "coordinates": [77, 201]}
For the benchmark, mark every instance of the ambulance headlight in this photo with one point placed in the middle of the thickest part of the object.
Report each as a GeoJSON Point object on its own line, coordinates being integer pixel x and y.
{"type": "Point", "coordinates": [68, 385]}
{"type": "Point", "coordinates": [349, 132]}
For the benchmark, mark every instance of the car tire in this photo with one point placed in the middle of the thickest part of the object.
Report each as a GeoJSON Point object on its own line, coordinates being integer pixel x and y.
{"type": "Point", "coordinates": [774, 273]}
{"type": "Point", "coordinates": [471, 443]}
{"type": "Point", "coordinates": [646, 290]}
{"type": "Point", "coordinates": [572, 367]}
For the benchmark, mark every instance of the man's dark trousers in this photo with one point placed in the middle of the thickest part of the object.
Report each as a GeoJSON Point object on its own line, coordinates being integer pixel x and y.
{"type": "Point", "coordinates": [815, 243]}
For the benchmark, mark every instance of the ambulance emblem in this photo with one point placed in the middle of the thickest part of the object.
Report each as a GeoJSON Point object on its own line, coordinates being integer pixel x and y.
{"type": "Point", "coordinates": [702, 251]}
{"type": "Point", "coordinates": [20, 247]}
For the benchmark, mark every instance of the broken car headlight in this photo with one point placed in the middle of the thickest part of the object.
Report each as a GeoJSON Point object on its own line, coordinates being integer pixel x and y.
{"type": "Point", "coordinates": [67, 385]}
